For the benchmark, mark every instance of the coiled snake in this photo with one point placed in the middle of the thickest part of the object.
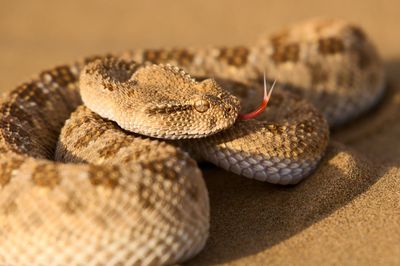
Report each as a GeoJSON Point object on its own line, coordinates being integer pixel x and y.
{"type": "Point", "coordinates": [112, 196]}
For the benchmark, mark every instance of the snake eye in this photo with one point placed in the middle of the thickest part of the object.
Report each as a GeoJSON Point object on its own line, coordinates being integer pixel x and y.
{"type": "Point", "coordinates": [201, 106]}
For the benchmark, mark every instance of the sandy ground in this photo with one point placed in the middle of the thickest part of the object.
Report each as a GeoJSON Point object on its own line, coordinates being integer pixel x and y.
{"type": "Point", "coordinates": [347, 213]}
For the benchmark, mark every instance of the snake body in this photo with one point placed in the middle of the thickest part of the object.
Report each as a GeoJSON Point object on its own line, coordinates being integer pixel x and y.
{"type": "Point", "coordinates": [114, 197]}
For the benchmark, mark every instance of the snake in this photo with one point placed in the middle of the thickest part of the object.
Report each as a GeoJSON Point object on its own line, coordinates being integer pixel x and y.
{"type": "Point", "coordinates": [98, 157]}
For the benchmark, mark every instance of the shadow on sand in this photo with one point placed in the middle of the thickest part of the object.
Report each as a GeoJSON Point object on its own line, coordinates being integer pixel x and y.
{"type": "Point", "coordinates": [248, 217]}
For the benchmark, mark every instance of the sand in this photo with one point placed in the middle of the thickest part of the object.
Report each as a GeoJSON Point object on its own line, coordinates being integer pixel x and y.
{"type": "Point", "coordinates": [346, 213]}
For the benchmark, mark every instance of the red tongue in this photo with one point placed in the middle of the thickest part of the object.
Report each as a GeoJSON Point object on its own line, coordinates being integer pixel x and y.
{"type": "Point", "coordinates": [263, 105]}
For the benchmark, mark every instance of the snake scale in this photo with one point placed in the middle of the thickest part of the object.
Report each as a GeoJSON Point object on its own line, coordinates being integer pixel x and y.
{"type": "Point", "coordinates": [82, 185]}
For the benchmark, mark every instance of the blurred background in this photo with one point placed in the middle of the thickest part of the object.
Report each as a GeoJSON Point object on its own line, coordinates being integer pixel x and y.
{"type": "Point", "coordinates": [39, 34]}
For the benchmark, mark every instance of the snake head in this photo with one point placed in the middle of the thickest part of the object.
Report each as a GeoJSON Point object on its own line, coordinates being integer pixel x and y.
{"type": "Point", "coordinates": [183, 107]}
{"type": "Point", "coordinates": [160, 101]}
{"type": "Point", "coordinates": [214, 108]}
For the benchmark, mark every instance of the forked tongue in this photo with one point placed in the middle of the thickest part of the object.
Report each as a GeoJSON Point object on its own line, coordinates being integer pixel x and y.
{"type": "Point", "coordinates": [263, 105]}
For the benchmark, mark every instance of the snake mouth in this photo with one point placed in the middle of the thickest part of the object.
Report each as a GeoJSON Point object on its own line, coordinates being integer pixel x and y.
{"type": "Point", "coordinates": [261, 108]}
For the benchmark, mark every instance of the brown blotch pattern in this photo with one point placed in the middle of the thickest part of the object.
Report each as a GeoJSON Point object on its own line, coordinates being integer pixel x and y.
{"type": "Point", "coordinates": [318, 74]}
{"type": "Point", "coordinates": [146, 195]}
{"type": "Point", "coordinates": [279, 38]}
{"type": "Point", "coordinates": [9, 207]}
{"type": "Point", "coordinates": [61, 75]}
{"type": "Point", "coordinates": [286, 53]}
{"type": "Point", "coordinates": [104, 176]}
{"type": "Point", "coordinates": [332, 45]}
{"type": "Point", "coordinates": [90, 59]}
{"type": "Point", "coordinates": [157, 56]}
{"type": "Point", "coordinates": [25, 116]}
{"type": "Point", "coordinates": [236, 56]}
{"type": "Point", "coordinates": [2, 148]}
{"type": "Point", "coordinates": [91, 135]}
{"type": "Point", "coordinates": [113, 148]}
{"type": "Point", "coordinates": [46, 175]}
{"type": "Point", "coordinates": [182, 56]}
{"type": "Point", "coordinates": [72, 204]}
{"type": "Point", "coordinates": [113, 71]}
{"type": "Point", "coordinates": [6, 169]}
{"type": "Point", "coordinates": [167, 172]}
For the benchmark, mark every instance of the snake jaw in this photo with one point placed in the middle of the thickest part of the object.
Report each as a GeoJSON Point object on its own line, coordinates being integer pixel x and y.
{"type": "Point", "coordinates": [263, 105]}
